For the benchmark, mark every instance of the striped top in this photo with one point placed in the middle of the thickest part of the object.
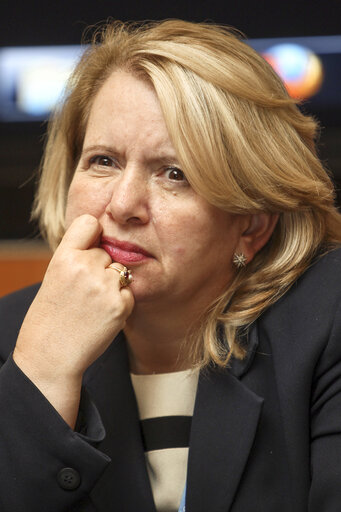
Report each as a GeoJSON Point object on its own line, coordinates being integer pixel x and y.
{"type": "Point", "coordinates": [166, 403]}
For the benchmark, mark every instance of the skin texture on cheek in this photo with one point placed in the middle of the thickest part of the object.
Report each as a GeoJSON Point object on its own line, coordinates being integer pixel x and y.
{"type": "Point", "coordinates": [83, 198]}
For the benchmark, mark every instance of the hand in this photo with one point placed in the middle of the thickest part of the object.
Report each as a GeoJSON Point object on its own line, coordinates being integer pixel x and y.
{"type": "Point", "coordinates": [76, 314]}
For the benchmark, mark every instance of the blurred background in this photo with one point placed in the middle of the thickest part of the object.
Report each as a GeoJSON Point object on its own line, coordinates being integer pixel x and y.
{"type": "Point", "coordinates": [38, 47]}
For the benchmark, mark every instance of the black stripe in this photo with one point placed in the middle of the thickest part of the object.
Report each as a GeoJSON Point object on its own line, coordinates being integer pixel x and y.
{"type": "Point", "coordinates": [166, 432]}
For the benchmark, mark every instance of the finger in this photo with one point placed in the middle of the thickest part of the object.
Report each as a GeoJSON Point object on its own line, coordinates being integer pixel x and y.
{"type": "Point", "coordinates": [83, 233]}
{"type": "Point", "coordinates": [101, 256]}
{"type": "Point", "coordinates": [125, 274]}
{"type": "Point", "coordinates": [128, 297]}
{"type": "Point", "coordinates": [114, 265]}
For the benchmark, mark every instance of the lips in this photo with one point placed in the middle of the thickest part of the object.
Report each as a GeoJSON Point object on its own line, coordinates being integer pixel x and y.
{"type": "Point", "coordinates": [124, 252]}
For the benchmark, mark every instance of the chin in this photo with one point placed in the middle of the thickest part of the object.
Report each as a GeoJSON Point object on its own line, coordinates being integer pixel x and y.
{"type": "Point", "coordinates": [144, 295]}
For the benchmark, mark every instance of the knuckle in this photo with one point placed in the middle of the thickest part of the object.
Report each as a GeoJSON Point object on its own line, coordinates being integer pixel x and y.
{"type": "Point", "coordinates": [121, 310]}
{"type": "Point", "coordinates": [69, 262]}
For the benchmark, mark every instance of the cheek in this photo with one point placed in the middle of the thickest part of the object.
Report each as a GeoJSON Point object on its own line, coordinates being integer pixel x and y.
{"type": "Point", "coordinates": [204, 237]}
{"type": "Point", "coordinates": [183, 235]}
{"type": "Point", "coordinates": [82, 199]}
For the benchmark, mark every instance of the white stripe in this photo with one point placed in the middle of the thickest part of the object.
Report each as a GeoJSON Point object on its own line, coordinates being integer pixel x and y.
{"type": "Point", "coordinates": [167, 473]}
{"type": "Point", "coordinates": [166, 394]}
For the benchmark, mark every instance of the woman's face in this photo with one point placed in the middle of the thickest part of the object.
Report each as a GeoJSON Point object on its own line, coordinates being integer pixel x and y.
{"type": "Point", "coordinates": [178, 246]}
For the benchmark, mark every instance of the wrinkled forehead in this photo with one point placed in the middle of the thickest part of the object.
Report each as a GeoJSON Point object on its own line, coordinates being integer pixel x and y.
{"type": "Point", "coordinates": [126, 119]}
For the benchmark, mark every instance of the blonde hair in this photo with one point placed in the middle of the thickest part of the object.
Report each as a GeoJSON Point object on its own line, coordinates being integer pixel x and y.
{"type": "Point", "coordinates": [242, 143]}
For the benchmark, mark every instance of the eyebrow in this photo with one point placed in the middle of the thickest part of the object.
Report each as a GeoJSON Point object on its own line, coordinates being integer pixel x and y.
{"type": "Point", "coordinates": [110, 150]}
{"type": "Point", "coordinates": [99, 147]}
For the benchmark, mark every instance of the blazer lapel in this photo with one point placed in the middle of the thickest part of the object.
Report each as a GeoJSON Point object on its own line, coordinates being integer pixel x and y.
{"type": "Point", "coordinates": [224, 424]}
{"type": "Point", "coordinates": [223, 429]}
{"type": "Point", "coordinates": [125, 483]}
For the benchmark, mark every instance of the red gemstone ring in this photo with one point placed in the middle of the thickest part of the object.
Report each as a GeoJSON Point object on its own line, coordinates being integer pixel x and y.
{"type": "Point", "coordinates": [125, 274]}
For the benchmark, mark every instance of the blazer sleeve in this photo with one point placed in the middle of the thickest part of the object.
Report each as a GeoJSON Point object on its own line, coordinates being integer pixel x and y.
{"type": "Point", "coordinates": [325, 493]}
{"type": "Point", "coordinates": [44, 464]}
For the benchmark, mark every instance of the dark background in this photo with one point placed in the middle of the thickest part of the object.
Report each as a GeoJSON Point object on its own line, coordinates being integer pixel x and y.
{"type": "Point", "coordinates": [64, 22]}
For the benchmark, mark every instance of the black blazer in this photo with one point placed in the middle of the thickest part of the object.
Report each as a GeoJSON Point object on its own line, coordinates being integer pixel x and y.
{"type": "Point", "coordinates": [265, 436]}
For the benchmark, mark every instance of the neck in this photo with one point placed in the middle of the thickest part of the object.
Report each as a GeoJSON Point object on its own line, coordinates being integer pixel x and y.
{"type": "Point", "coordinates": [156, 340]}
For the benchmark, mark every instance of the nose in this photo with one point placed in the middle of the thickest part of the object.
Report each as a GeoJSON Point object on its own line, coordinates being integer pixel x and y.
{"type": "Point", "coordinates": [129, 198]}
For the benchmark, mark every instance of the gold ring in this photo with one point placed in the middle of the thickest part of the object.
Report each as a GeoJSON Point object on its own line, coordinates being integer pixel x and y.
{"type": "Point", "coordinates": [125, 274]}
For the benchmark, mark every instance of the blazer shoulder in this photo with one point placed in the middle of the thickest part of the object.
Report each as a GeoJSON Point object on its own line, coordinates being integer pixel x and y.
{"type": "Point", "coordinates": [327, 265]}
{"type": "Point", "coordinates": [309, 308]}
{"type": "Point", "coordinates": [321, 282]}
{"type": "Point", "coordinates": [324, 277]}
{"type": "Point", "coordinates": [13, 308]}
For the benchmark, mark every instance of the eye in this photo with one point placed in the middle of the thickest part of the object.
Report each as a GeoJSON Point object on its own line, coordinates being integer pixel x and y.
{"type": "Point", "coordinates": [175, 174]}
{"type": "Point", "coordinates": [104, 161]}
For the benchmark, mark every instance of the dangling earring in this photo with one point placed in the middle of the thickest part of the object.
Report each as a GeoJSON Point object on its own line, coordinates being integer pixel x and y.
{"type": "Point", "coordinates": [239, 259]}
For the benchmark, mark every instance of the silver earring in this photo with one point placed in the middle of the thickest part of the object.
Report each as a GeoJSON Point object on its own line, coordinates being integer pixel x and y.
{"type": "Point", "coordinates": [239, 259]}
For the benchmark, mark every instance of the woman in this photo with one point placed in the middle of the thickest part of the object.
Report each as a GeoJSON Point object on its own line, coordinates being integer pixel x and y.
{"type": "Point", "coordinates": [195, 273]}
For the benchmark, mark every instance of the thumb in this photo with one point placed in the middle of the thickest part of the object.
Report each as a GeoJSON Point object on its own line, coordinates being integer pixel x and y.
{"type": "Point", "coordinates": [83, 233]}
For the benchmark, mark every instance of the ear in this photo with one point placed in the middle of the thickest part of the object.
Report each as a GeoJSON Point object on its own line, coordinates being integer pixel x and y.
{"type": "Point", "coordinates": [256, 235]}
